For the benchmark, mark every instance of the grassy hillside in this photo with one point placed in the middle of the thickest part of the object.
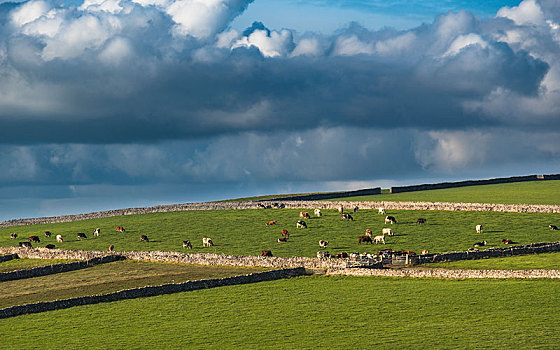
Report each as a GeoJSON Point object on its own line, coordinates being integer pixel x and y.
{"type": "Point", "coordinates": [532, 192]}
{"type": "Point", "coordinates": [311, 312]}
{"type": "Point", "coordinates": [550, 261]}
{"type": "Point", "coordinates": [242, 232]}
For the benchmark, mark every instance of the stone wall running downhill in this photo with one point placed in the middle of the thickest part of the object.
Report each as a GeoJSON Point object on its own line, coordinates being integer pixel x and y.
{"type": "Point", "coordinates": [445, 206]}
{"type": "Point", "coordinates": [8, 257]}
{"type": "Point", "coordinates": [151, 291]}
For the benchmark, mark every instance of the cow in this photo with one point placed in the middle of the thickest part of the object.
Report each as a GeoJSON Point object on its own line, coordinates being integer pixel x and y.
{"type": "Point", "coordinates": [318, 213]}
{"type": "Point", "coordinates": [343, 255]}
{"type": "Point", "coordinates": [421, 221]}
{"type": "Point", "coordinates": [270, 223]}
{"type": "Point", "coordinates": [385, 252]}
{"type": "Point", "coordinates": [59, 238]}
{"type": "Point", "coordinates": [388, 232]}
{"type": "Point", "coordinates": [81, 235]}
{"type": "Point", "coordinates": [13, 235]}
{"type": "Point", "coordinates": [207, 242]}
{"type": "Point", "coordinates": [323, 255]}
{"type": "Point", "coordinates": [378, 239]}
{"type": "Point", "coordinates": [345, 216]}
{"type": "Point", "coordinates": [381, 211]}
{"type": "Point", "coordinates": [424, 252]}
{"type": "Point", "coordinates": [405, 252]}
{"type": "Point", "coordinates": [111, 248]}
{"type": "Point", "coordinates": [478, 228]}
{"type": "Point", "coordinates": [34, 239]}
{"type": "Point", "coordinates": [341, 209]}
{"type": "Point", "coordinates": [285, 233]}
{"type": "Point", "coordinates": [553, 227]}
{"type": "Point", "coordinates": [283, 239]}
{"type": "Point", "coordinates": [301, 224]}
{"type": "Point", "coordinates": [355, 209]}
{"type": "Point", "coordinates": [323, 244]}
{"type": "Point", "coordinates": [479, 244]}
{"type": "Point", "coordinates": [48, 234]}
{"type": "Point", "coordinates": [365, 239]}
{"type": "Point", "coordinates": [96, 232]}
{"type": "Point", "coordinates": [508, 241]}
{"type": "Point", "coordinates": [187, 244]}
{"type": "Point", "coordinates": [266, 253]}
{"type": "Point", "coordinates": [25, 245]}
{"type": "Point", "coordinates": [304, 214]}
{"type": "Point", "coordinates": [120, 229]}
{"type": "Point", "coordinates": [144, 238]}
{"type": "Point", "coordinates": [368, 233]}
{"type": "Point", "coordinates": [50, 246]}
{"type": "Point", "coordinates": [390, 219]}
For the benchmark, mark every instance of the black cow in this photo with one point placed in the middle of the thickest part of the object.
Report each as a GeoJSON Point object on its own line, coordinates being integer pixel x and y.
{"type": "Point", "coordinates": [266, 253]}
{"type": "Point", "coordinates": [48, 234]}
{"type": "Point", "coordinates": [13, 235]}
{"type": "Point", "coordinates": [421, 221]}
{"type": "Point", "coordinates": [553, 227]}
{"type": "Point", "coordinates": [49, 246]}
{"type": "Point", "coordinates": [144, 238]}
{"type": "Point", "coordinates": [187, 244]}
{"type": "Point", "coordinates": [25, 244]}
{"type": "Point", "coordinates": [34, 239]}
{"type": "Point", "coordinates": [81, 235]}
{"type": "Point", "coordinates": [346, 216]}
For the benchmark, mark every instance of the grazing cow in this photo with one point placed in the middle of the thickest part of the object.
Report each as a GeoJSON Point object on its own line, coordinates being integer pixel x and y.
{"type": "Point", "coordinates": [378, 239]}
{"type": "Point", "coordinates": [25, 244]}
{"type": "Point", "coordinates": [144, 238]}
{"type": "Point", "coordinates": [13, 235]}
{"type": "Point", "coordinates": [553, 227]}
{"type": "Point", "coordinates": [34, 239]}
{"type": "Point", "coordinates": [283, 239]}
{"type": "Point", "coordinates": [424, 252]}
{"type": "Point", "coordinates": [323, 255]}
{"type": "Point", "coordinates": [270, 223]}
{"type": "Point", "coordinates": [48, 234]}
{"type": "Point", "coordinates": [345, 216]}
{"type": "Point", "coordinates": [478, 228]}
{"type": "Point", "coordinates": [187, 244]}
{"type": "Point", "coordinates": [207, 242]}
{"type": "Point", "coordinates": [368, 233]}
{"type": "Point", "coordinates": [390, 219]}
{"type": "Point", "coordinates": [421, 221]}
{"type": "Point", "coordinates": [301, 224]}
{"type": "Point", "coordinates": [261, 206]}
{"type": "Point", "coordinates": [385, 252]}
{"type": "Point", "coordinates": [285, 233]}
{"type": "Point", "coordinates": [341, 209]}
{"type": "Point", "coordinates": [508, 241]}
{"type": "Point", "coordinates": [381, 211]}
{"type": "Point", "coordinates": [365, 239]}
{"type": "Point", "coordinates": [266, 253]}
{"type": "Point", "coordinates": [479, 244]}
{"type": "Point", "coordinates": [343, 255]}
{"type": "Point", "coordinates": [317, 212]}
{"type": "Point", "coordinates": [120, 229]}
{"type": "Point", "coordinates": [355, 209]}
{"type": "Point", "coordinates": [111, 248]}
{"type": "Point", "coordinates": [323, 244]}
{"type": "Point", "coordinates": [304, 214]}
{"type": "Point", "coordinates": [59, 238]}
{"type": "Point", "coordinates": [49, 246]}
{"type": "Point", "coordinates": [96, 232]}
{"type": "Point", "coordinates": [81, 235]}
{"type": "Point", "coordinates": [388, 232]}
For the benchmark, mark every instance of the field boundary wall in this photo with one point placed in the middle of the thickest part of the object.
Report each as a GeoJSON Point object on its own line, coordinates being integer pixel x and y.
{"type": "Point", "coordinates": [8, 257]}
{"type": "Point", "coordinates": [500, 180]}
{"type": "Point", "coordinates": [151, 291]}
{"type": "Point", "coordinates": [446, 273]}
{"type": "Point", "coordinates": [445, 206]}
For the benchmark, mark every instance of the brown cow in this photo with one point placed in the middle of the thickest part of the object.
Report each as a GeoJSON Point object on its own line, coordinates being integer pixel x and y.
{"type": "Point", "coordinates": [285, 233]}
{"type": "Point", "coordinates": [266, 253]}
{"type": "Point", "coordinates": [365, 239]}
{"type": "Point", "coordinates": [111, 248]}
{"type": "Point", "coordinates": [368, 232]}
{"type": "Point", "coordinates": [304, 214]}
{"type": "Point", "coordinates": [34, 239]}
{"type": "Point", "coordinates": [120, 229]}
{"type": "Point", "coordinates": [271, 223]}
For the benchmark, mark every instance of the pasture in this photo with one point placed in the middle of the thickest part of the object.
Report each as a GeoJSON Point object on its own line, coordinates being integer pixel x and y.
{"type": "Point", "coordinates": [548, 261]}
{"type": "Point", "coordinates": [530, 192]}
{"type": "Point", "coordinates": [243, 232]}
{"type": "Point", "coordinates": [311, 312]}
{"type": "Point", "coordinates": [21, 264]}
{"type": "Point", "coordinates": [107, 278]}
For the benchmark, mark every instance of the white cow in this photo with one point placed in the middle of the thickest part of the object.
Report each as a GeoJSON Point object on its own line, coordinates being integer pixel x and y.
{"type": "Point", "coordinates": [382, 211]}
{"type": "Point", "coordinates": [478, 228]}
{"type": "Point", "coordinates": [59, 238]}
{"type": "Point", "coordinates": [318, 212]}
{"type": "Point", "coordinates": [388, 232]}
{"type": "Point", "coordinates": [207, 242]}
{"type": "Point", "coordinates": [96, 232]}
{"type": "Point", "coordinates": [390, 219]}
{"type": "Point", "coordinates": [323, 244]}
{"type": "Point", "coordinates": [378, 239]}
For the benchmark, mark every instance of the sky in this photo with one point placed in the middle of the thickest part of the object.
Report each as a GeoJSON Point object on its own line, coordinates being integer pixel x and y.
{"type": "Point", "coordinates": [108, 104]}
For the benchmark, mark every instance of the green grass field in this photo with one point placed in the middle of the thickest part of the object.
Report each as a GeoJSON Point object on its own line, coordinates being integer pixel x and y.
{"type": "Point", "coordinates": [21, 264]}
{"type": "Point", "coordinates": [107, 278]}
{"type": "Point", "coordinates": [531, 192]}
{"type": "Point", "coordinates": [549, 261]}
{"type": "Point", "coordinates": [242, 232]}
{"type": "Point", "coordinates": [310, 312]}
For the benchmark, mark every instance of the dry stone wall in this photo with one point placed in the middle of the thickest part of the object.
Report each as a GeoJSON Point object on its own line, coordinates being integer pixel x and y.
{"type": "Point", "coordinates": [446, 273]}
{"type": "Point", "coordinates": [151, 291]}
{"type": "Point", "coordinates": [8, 257]}
{"type": "Point", "coordinates": [445, 206]}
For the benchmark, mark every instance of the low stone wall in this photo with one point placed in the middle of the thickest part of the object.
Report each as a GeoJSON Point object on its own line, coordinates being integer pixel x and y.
{"type": "Point", "coordinates": [8, 257]}
{"type": "Point", "coordinates": [533, 248]}
{"type": "Point", "coordinates": [501, 180]}
{"type": "Point", "coordinates": [445, 206]}
{"type": "Point", "coordinates": [330, 195]}
{"type": "Point", "coordinates": [56, 268]}
{"type": "Point", "coordinates": [151, 291]}
{"type": "Point", "coordinates": [446, 273]}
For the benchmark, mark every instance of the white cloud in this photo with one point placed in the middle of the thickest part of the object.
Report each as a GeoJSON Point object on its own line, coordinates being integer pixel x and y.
{"type": "Point", "coordinates": [270, 44]}
{"type": "Point", "coordinates": [351, 46]}
{"type": "Point", "coordinates": [527, 13]}
{"type": "Point", "coordinates": [463, 41]}
{"type": "Point", "coordinates": [29, 12]}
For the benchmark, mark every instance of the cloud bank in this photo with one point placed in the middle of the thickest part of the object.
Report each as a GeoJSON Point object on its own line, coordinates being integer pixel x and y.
{"type": "Point", "coordinates": [151, 92]}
